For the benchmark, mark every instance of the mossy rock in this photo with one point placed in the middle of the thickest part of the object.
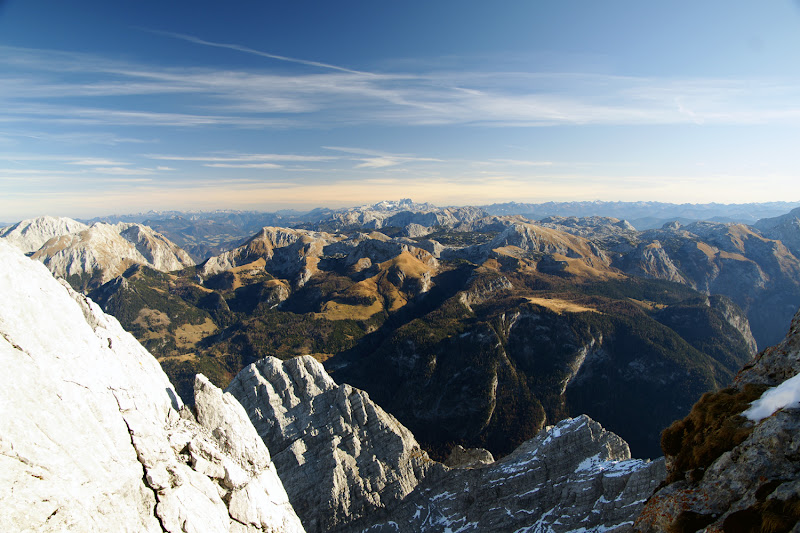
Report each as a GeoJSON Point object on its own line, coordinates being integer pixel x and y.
{"type": "Point", "coordinates": [714, 426]}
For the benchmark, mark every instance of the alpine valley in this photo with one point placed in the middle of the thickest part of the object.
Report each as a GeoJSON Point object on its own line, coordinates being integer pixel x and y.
{"type": "Point", "coordinates": [407, 367]}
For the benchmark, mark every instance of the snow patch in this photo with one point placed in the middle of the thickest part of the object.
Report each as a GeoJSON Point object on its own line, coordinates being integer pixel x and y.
{"type": "Point", "coordinates": [787, 394]}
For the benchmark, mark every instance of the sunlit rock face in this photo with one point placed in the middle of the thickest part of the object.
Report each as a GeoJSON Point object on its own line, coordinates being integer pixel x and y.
{"type": "Point", "coordinates": [93, 436]}
{"type": "Point", "coordinates": [346, 457]}
{"type": "Point", "coordinates": [88, 256]}
{"type": "Point", "coordinates": [102, 252]}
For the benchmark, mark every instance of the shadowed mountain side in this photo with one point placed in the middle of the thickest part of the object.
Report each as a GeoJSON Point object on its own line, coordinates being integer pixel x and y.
{"type": "Point", "coordinates": [494, 373]}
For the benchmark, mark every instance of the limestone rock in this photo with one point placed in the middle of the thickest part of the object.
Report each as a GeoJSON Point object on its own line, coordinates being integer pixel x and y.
{"type": "Point", "coordinates": [93, 436]}
{"type": "Point", "coordinates": [461, 457]}
{"type": "Point", "coordinates": [345, 456]}
{"type": "Point", "coordinates": [650, 260]}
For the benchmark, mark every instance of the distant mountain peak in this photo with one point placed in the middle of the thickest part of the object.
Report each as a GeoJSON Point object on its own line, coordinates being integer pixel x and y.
{"type": "Point", "coordinates": [404, 204]}
{"type": "Point", "coordinates": [29, 235]}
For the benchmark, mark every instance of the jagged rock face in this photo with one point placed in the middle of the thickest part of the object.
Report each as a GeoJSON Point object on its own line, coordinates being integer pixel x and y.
{"type": "Point", "coordinates": [350, 466]}
{"type": "Point", "coordinates": [29, 235]}
{"type": "Point", "coordinates": [574, 476]}
{"type": "Point", "coordinates": [751, 481]}
{"type": "Point", "coordinates": [160, 252]}
{"type": "Point", "coordinates": [93, 436]}
{"type": "Point", "coordinates": [346, 457]}
{"type": "Point", "coordinates": [102, 252]}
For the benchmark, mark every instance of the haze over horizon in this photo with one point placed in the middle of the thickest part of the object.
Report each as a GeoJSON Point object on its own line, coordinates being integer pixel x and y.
{"type": "Point", "coordinates": [120, 108]}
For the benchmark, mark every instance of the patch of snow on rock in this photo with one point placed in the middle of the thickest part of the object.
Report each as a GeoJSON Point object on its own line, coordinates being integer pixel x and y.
{"type": "Point", "coordinates": [787, 394]}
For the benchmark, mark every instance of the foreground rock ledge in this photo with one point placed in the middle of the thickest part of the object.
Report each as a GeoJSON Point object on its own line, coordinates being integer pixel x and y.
{"type": "Point", "coordinates": [743, 487]}
{"type": "Point", "coordinates": [93, 436]}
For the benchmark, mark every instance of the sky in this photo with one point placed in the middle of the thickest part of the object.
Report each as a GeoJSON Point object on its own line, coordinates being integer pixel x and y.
{"type": "Point", "coordinates": [122, 106]}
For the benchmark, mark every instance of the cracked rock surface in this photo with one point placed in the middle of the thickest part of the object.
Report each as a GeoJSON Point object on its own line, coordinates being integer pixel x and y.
{"type": "Point", "coordinates": [93, 436]}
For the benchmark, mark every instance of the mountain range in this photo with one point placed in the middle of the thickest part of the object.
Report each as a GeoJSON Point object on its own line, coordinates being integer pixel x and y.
{"type": "Point", "coordinates": [88, 256]}
{"type": "Point", "coordinates": [286, 448]}
{"type": "Point", "coordinates": [472, 329]}
{"type": "Point", "coordinates": [142, 461]}
{"type": "Point", "coordinates": [204, 234]}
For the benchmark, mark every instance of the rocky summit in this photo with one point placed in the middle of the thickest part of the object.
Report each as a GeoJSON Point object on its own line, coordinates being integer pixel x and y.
{"type": "Point", "coordinates": [349, 466]}
{"type": "Point", "coordinates": [345, 455]}
{"type": "Point", "coordinates": [93, 436]}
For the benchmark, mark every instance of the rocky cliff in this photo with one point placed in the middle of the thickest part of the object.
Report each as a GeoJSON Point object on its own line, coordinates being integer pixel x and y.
{"type": "Point", "coordinates": [574, 476]}
{"type": "Point", "coordinates": [733, 461]}
{"type": "Point", "coordinates": [349, 466]}
{"type": "Point", "coordinates": [93, 436]}
{"type": "Point", "coordinates": [346, 456]}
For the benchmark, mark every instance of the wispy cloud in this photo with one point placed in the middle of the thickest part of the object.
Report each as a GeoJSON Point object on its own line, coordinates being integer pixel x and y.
{"type": "Point", "coordinates": [91, 161]}
{"type": "Point", "coordinates": [524, 163]}
{"type": "Point", "coordinates": [123, 171]}
{"type": "Point", "coordinates": [380, 159]}
{"type": "Point", "coordinates": [98, 92]}
{"type": "Point", "coordinates": [247, 50]}
{"type": "Point", "coordinates": [242, 165]}
{"type": "Point", "coordinates": [237, 158]}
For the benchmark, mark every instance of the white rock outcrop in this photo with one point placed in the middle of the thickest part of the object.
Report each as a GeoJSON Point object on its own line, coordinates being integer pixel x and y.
{"type": "Point", "coordinates": [93, 436]}
{"type": "Point", "coordinates": [345, 457]}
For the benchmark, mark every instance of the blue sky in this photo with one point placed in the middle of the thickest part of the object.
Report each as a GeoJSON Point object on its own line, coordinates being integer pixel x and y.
{"type": "Point", "coordinates": [118, 107]}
